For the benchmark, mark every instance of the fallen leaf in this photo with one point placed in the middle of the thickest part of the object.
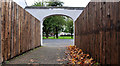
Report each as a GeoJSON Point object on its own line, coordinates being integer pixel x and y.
{"type": "Point", "coordinates": [76, 56]}
{"type": "Point", "coordinates": [60, 60]}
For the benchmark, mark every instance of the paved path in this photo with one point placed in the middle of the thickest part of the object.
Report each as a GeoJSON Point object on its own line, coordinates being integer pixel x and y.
{"type": "Point", "coordinates": [48, 54]}
{"type": "Point", "coordinates": [57, 42]}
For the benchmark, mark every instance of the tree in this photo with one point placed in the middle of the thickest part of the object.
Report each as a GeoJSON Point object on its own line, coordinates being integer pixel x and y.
{"type": "Point", "coordinates": [58, 22]}
{"type": "Point", "coordinates": [39, 4]}
{"type": "Point", "coordinates": [47, 26]}
{"type": "Point", "coordinates": [49, 3]}
{"type": "Point", "coordinates": [69, 26]}
{"type": "Point", "coordinates": [54, 3]}
{"type": "Point", "coordinates": [53, 24]}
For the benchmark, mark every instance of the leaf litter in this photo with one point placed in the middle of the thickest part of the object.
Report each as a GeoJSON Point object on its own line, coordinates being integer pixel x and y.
{"type": "Point", "coordinates": [75, 55]}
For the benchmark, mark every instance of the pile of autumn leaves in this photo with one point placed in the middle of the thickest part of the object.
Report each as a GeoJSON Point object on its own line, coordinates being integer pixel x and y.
{"type": "Point", "coordinates": [76, 56]}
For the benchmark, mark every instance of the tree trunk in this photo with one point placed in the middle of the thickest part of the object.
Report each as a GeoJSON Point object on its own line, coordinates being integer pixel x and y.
{"type": "Point", "coordinates": [56, 32]}
{"type": "Point", "coordinates": [46, 35]}
{"type": "Point", "coordinates": [56, 35]}
{"type": "Point", "coordinates": [71, 35]}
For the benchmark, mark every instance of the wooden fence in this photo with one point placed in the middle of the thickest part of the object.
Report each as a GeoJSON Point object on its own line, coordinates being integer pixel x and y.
{"type": "Point", "coordinates": [97, 31]}
{"type": "Point", "coordinates": [20, 31]}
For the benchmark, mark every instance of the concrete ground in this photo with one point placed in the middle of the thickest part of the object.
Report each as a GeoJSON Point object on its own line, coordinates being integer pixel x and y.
{"type": "Point", "coordinates": [57, 42]}
{"type": "Point", "coordinates": [52, 50]}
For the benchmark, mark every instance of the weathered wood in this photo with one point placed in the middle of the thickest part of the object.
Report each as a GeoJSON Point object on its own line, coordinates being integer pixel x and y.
{"type": "Point", "coordinates": [12, 24]}
{"type": "Point", "coordinates": [20, 31]}
{"type": "Point", "coordinates": [2, 29]}
{"type": "Point", "coordinates": [0, 34]}
{"type": "Point", "coordinates": [97, 31]}
{"type": "Point", "coordinates": [118, 33]}
{"type": "Point", "coordinates": [9, 30]}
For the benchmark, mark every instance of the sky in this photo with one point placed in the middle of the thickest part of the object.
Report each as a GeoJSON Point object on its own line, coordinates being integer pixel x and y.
{"type": "Point", "coordinates": [70, 3]}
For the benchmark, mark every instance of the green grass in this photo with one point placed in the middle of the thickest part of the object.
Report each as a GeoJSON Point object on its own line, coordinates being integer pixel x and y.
{"type": "Point", "coordinates": [61, 37]}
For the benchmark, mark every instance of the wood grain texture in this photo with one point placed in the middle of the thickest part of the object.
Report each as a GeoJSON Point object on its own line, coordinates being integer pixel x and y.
{"type": "Point", "coordinates": [0, 33]}
{"type": "Point", "coordinates": [97, 31]}
{"type": "Point", "coordinates": [20, 31]}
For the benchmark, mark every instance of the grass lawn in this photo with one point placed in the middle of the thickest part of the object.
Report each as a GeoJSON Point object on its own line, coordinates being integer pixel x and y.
{"type": "Point", "coordinates": [61, 37]}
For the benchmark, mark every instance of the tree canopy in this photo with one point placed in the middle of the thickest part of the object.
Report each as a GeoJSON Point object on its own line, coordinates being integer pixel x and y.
{"type": "Point", "coordinates": [53, 24]}
{"type": "Point", "coordinates": [69, 26]}
{"type": "Point", "coordinates": [57, 24]}
{"type": "Point", "coordinates": [39, 4]}
{"type": "Point", "coordinates": [56, 3]}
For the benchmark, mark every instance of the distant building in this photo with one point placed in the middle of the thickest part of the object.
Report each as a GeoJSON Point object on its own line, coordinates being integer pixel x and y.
{"type": "Point", "coordinates": [64, 34]}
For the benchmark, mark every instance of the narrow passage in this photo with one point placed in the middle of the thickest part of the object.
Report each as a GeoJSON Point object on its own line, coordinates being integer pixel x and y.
{"type": "Point", "coordinates": [49, 53]}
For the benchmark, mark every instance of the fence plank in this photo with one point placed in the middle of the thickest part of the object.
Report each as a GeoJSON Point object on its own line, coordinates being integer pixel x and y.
{"type": "Point", "coordinates": [20, 31]}
{"type": "Point", "coordinates": [2, 29]}
{"type": "Point", "coordinates": [99, 25]}
{"type": "Point", "coordinates": [9, 30]}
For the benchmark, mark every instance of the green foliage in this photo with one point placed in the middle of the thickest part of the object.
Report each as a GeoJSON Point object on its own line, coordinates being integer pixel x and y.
{"type": "Point", "coordinates": [38, 4]}
{"type": "Point", "coordinates": [57, 24]}
{"type": "Point", "coordinates": [69, 25]}
{"type": "Point", "coordinates": [53, 24]}
{"type": "Point", "coordinates": [55, 3]}
{"type": "Point", "coordinates": [49, 3]}
{"type": "Point", "coordinates": [47, 26]}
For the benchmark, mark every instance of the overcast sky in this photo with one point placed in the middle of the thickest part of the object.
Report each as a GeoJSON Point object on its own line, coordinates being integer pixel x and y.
{"type": "Point", "coordinates": [73, 3]}
{"type": "Point", "coordinates": [70, 3]}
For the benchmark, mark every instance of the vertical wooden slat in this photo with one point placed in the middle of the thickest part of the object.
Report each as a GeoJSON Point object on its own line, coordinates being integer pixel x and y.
{"type": "Point", "coordinates": [6, 30]}
{"type": "Point", "coordinates": [12, 27]}
{"type": "Point", "coordinates": [101, 30]}
{"type": "Point", "coordinates": [3, 29]}
{"type": "Point", "coordinates": [114, 53]}
{"type": "Point", "coordinates": [14, 33]}
{"type": "Point", "coordinates": [103, 21]}
{"type": "Point", "coordinates": [0, 33]}
{"type": "Point", "coordinates": [22, 28]}
{"type": "Point", "coordinates": [9, 32]}
{"type": "Point", "coordinates": [19, 30]}
{"type": "Point", "coordinates": [108, 44]}
{"type": "Point", "coordinates": [118, 32]}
